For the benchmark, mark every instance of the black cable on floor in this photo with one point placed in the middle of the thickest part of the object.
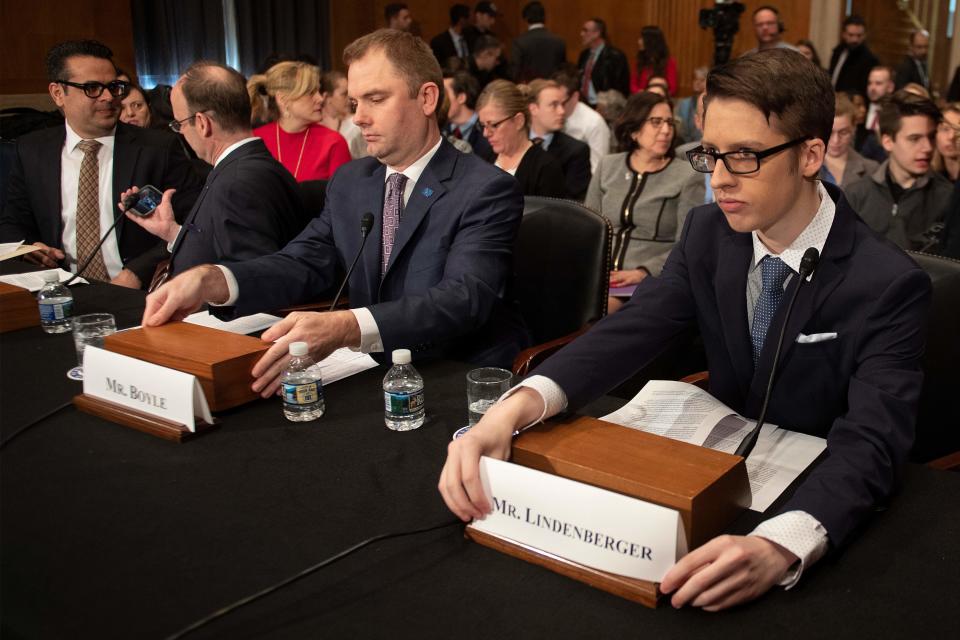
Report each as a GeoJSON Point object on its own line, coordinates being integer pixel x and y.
{"type": "Point", "coordinates": [37, 421]}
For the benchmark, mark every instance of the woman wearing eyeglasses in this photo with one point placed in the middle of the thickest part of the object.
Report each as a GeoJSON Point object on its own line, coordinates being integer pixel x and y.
{"type": "Point", "coordinates": [290, 98]}
{"type": "Point", "coordinates": [645, 192]}
{"type": "Point", "coordinates": [505, 122]}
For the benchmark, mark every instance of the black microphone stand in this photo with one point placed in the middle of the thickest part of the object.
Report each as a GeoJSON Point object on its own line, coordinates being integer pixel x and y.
{"type": "Point", "coordinates": [366, 223]}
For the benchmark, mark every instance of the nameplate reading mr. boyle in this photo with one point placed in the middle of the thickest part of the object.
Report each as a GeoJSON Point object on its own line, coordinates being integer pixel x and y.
{"type": "Point", "coordinates": [593, 527]}
{"type": "Point", "coordinates": [159, 391]}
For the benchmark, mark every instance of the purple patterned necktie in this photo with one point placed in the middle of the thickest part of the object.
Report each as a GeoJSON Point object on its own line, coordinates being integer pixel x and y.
{"type": "Point", "coordinates": [392, 213]}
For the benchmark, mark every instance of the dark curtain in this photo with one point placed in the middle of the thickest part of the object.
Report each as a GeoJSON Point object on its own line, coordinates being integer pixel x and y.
{"type": "Point", "coordinates": [170, 34]}
{"type": "Point", "coordinates": [289, 27]}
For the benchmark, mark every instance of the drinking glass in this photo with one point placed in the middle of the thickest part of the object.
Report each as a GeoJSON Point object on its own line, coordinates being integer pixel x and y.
{"type": "Point", "coordinates": [90, 330]}
{"type": "Point", "coordinates": [484, 387]}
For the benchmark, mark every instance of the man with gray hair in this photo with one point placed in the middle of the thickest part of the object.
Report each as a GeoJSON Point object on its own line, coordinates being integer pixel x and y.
{"type": "Point", "coordinates": [914, 65]}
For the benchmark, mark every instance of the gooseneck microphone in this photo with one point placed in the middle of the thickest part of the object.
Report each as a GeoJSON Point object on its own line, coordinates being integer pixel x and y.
{"type": "Point", "coordinates": [366, 223]}
{"type": "Point", "coordinates": [808, 264]}
{"type": "Point", "coordinates": [128, 203]}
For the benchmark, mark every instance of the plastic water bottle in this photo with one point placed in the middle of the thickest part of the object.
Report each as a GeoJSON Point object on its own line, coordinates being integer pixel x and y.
{"type": "Point", "coordinates": [56, 304]}
{"type": "Point", "coordinates": [302, 386]}
{"type": "Point", "coordinates": [403, 394]}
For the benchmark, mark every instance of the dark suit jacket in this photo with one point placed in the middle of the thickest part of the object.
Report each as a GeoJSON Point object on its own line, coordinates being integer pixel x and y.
{"type": "Point", "coordinates": [536, 53]}
{"type": "Point", "coordinates": [540, 174]}
{"type": "Point", "coordinates": [860, 390]}
{"type": "Point", "coordinates": [574, 158]}
{"type": "Point", "coordinates": [445, 289]}
{"type": "Point", "coordinates": [140, 157]}
{"type": "Point", "coordinates": [907, 72]}
{"type": "Point", "coordinates": [855, 71]}
{"type": "Point", "coordinates": [610, 71]}
{"type": "Point", "coordinates": [443, 47]}
{"type": "Point", "coordinates": [249, 207]}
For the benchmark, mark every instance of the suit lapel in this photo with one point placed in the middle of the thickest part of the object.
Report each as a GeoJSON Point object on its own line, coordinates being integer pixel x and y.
{"type": "Point", "coordinates": [125, 155]}
{"type": "Point", "coordinates": [54, 194]}
{"type": "Point", "coordinates": [730, 285]}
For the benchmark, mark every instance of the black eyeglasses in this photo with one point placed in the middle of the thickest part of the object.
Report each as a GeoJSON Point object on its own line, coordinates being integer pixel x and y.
{"type": "Point", "coordinates": [177, 125]}
{"type": "Point", "coordinates": [493, 126]}
{"type": "Point", "coordinates": [117, 88]}
{"type": "Point", "coordinates": [737, 162]}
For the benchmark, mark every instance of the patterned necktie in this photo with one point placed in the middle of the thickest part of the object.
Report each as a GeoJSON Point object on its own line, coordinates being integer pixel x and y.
{"type": "Point", "coordinates": [392, 213]}
{"type": "Point", "coordinates": [774, 272]}
{"type": "Point", "coordinates": [88, 212]}
{"type": "Point", "coordinates": [587, 73]}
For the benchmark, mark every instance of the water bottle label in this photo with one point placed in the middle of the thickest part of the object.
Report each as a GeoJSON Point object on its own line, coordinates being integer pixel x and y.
{"type": "Point", "coordinates": [402, 404]}
{"type": "Point", "coordinates": [306, 393]}
{"type": "Point", "coordinates": [54, 312]}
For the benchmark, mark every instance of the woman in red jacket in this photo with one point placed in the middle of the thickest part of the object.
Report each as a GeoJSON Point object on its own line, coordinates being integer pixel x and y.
{"type": "Point", "coordinates": [653, 60]}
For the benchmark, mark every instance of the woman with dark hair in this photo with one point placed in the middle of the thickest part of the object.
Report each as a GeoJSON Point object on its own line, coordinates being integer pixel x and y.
{"type": "Point", "coordinates": [135, 108]}
{"type": "Point", "coordinates": [645, 192]}
{"type": "Point", "coordinates": [653, 59]}
{"type": "Point", "coordinates": [809, 52]}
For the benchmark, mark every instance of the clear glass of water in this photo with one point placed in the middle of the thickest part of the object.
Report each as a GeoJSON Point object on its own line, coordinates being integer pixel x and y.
{"type": "Point", "coordinates": [90, 330]}
{"type": "Point", "coordinates": [484, 387]}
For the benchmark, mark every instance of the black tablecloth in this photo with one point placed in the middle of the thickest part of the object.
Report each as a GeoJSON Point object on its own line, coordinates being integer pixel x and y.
{"type": "Point", "coordinates": [106, 532]}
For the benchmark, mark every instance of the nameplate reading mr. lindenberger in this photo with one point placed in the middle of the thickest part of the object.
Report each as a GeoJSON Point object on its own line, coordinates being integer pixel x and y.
{"type": "Point", "coordinates": [590, 526]}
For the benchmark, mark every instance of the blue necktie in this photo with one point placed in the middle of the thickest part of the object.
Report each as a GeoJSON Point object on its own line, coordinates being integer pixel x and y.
{"type": "Point", "coordinates": [774, 272]}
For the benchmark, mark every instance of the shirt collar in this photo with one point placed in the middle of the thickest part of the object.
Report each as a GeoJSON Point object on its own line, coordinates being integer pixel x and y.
{"type": "Point", "coordinates": [814, 235]}
{"type": "Point", "coordinates": [232, 148]}
{"type": "Point", "coordinates": [536, 25]}
{"type": "Point", "coordinates": [546, 139]}
{"type": "Point", "coordinates": [414, 171]}
{"type": "Point", "coordinates": [73, 139]}
{"type": "Point", "coordinates": [467, 126]}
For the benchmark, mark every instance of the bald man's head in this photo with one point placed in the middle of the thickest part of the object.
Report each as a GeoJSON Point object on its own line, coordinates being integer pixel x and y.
{"type": "Point", "coordinates": [218, 91]}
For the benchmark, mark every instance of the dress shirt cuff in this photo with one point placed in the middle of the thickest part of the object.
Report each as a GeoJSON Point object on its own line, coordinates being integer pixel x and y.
{"type": "Point", "coordinates": [554, 399]}
{"type": "Point", "coordinates": [233, 289]}
{"type": "Point", "coordinates": [799, 533]}
{"type": "Point", "coordinates": [174, 241]}
{"type": "Point", "coordinates": [370, 341]}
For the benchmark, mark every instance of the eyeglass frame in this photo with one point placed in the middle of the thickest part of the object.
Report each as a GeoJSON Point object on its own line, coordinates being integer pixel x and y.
{"type": "Point", "coordinates": [177, 125]}
{"type": "Point", "coordinates": [670, 121]}
{"type": "Point", "coordinates": [121, 85]}
{"type": "Point", "coordinates": [493, 126]}
{"type": "Point", "coordinates": [759, 155]}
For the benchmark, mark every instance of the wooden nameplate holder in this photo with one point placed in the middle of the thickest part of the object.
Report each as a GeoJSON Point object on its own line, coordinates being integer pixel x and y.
{"type": "Point", "coordinates": [139, 420]}
{"type": "Point", "coordinates": [708, 488]}
{"type": "Point", "coordinates": [18, 308]}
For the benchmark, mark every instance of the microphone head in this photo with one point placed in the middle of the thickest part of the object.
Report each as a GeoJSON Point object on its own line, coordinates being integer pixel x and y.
{"type": "Point", "coordinates": [808, 263]}
{"type": "Point", "coordinates": [366, 223]}
{"type": "Point", "coordinates": [131, 200]}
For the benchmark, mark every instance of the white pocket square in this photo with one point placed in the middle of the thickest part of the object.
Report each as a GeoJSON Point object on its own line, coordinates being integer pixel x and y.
{"type": "Point", "coordinates": [816, 337]}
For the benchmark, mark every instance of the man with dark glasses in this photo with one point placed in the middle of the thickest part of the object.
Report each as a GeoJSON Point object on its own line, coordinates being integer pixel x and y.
{"type": "Point", "coordinates": [66, 181]}
{"type": "Point", "coordinates": [849, 368]}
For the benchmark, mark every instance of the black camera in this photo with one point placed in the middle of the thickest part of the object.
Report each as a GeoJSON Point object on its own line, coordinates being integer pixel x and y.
{"type": "Point", "coordinates": [724, 19]}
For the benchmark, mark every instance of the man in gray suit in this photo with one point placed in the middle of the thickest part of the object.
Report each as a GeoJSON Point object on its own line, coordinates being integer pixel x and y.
{"type": "Point", "coordinates": [536, 53]}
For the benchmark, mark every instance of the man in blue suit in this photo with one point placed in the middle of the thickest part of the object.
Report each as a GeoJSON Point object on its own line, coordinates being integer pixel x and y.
{"type": "Point", "coordinates": [432, 276]}
{"type": "Point", "coordinates": [849, 369]}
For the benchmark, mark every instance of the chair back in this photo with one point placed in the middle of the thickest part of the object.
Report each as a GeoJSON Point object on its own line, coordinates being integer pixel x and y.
{"type": "Point", "coordinates": [561, 267]}
{"type": "Point", "coordinates": [314, 194]}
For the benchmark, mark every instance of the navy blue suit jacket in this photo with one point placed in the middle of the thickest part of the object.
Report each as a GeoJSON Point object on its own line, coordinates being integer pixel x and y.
{"type": "Point", "coordinates": [859, 391]}
{"type": "Point", "coordinates": [250, 206]}
{"type": "Point", "coordinates": [445, 288]}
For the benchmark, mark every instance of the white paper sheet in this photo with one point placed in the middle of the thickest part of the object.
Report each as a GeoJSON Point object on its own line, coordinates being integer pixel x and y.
{"type": "Point", "coordinates": [344, 363]}
{"type": "Point", "coordinates": [33, 281]}
{"type": "Point", "coordinates": [244, 325]}
{"type": "Point", "coordinates": [13, 249]}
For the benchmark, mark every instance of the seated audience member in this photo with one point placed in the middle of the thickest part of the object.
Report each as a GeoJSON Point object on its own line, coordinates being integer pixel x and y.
{"type": "Point", "coordinates": [397, 16]}
{"type": "Point", "coordinates": [880, 83]}
{"type": "Point", "coordinates": [610, 105]}
{"type": "Point", "coordinates": [481, 33]}
{"type": "Point", "coordinates": [904, 197]}
{"type": "Point", "coordinates": [659, 86]}
{"type": "Point", "coordinates": [809, 51]}
{"type": "Point", "coordinates": [687, 129]}
{"type": "Point", "coordinates": [65, 181]}
{"type": "Point", "coordinates": [484, 63]}
{"type": "Point", "coordinates": [462, 92]}
{"type": "Point", "coordinates": [250, 204]}
{"type": "Point", "coordinates": [580, 122]}
{"type": "Point", "coordinates": [842, 165]}
{"type": "Point", "coordinates": [602, 65]}
{"type": "Point", "coordinates": [546, 127]}
{"type": "Point", "coordinates": [731, 274]}
{"type": "Point", "coordinates": [484, 19]}
{"type": "Point", "coordinates": [290, 98]}
{"type": "Point", "coordinates": [443, 121]}
{"type": "Point", "coordinates": [433, 274]}
{"type": "Point", "coordinates": [946, 157]}
{"type": "Point", "coordinates": [135, 108]}
{"type": "Point", "coordinates": [452, 43]}
{"type": "Point", "coordinates": [505, 120]}
{"type": "Point", "coordinates": [648, 208]}
{"type": "Point", "coordinates": [653, 59]}
{"type": "Point", "coordinates": [337, 115]}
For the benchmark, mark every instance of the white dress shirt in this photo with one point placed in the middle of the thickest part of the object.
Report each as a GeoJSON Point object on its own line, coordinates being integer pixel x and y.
{"type": "Point", "coordinates": [370, 341]}
{"type": "Point", "coordinates": [587, 125]}
{"type": "Point", "coordinates": [797, 531]}
{"type": "Point", "coordinates": [71, 158]}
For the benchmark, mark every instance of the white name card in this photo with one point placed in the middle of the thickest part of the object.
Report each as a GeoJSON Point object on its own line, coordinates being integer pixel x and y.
{"type": "Point", "coordinates": [593, 527]}
{"type": "Point", "coordinates": [159, 391]}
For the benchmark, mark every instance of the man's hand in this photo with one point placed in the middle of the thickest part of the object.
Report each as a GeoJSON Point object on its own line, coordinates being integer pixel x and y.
{"type": "Point", "coordinates": [727, 571]}
{"type": "Point", "coordinates": [185, 294]}
{"type": "Point", "coordinates": [460, 483]}
{"type": "Point", "coordinates": [161, 222]}
{"type": "Point", "coordinates": [47, 256]}
{"type": "Point", "coordinates": [323, 333]}
{"type": "Point", "coordinates": [126, 278]}
{"type": "Point", "coordinates": [627, 277]}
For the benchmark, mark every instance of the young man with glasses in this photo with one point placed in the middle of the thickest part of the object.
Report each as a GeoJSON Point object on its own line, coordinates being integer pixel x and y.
{"type": "Point", "coordinates": [849, 367]}
{"type": "Point", "coordinates": [66, 181]}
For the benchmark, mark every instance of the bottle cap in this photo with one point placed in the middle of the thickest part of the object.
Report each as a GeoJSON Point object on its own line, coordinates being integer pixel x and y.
{"type": "Point", "coordinates": [401, 356]}
{"type": "Point", "coordinates": [298, 349]}
{"type": "Point", "coordinates": [51, 276]}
